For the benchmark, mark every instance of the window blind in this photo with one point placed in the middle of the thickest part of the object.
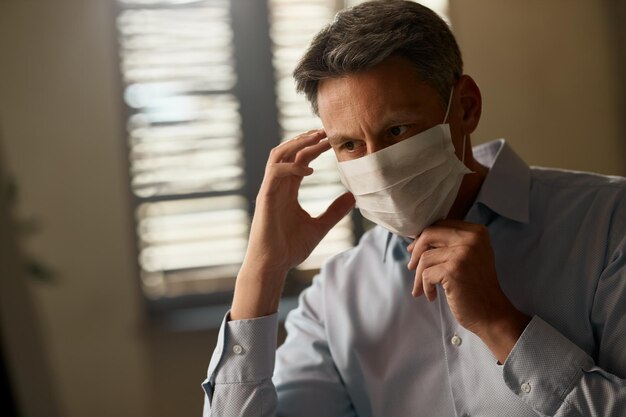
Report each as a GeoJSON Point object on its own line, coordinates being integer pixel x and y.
{"type": "Point", "coordinates": [184, 139]}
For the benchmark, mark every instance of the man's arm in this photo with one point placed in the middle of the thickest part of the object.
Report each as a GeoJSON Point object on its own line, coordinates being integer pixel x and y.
{"type": "Point", "coordinates": [306, 379]}
{"type": "Point", "coordinates": [239, 376]}
{"type": "Point", "coordinates": [557, 378]}
{"type": "Point", "coordinates": [282, 236]}
{"type": "Point", "coordinates": [543, 367]}
{"type": "Point", "coordinates": [458, 255]}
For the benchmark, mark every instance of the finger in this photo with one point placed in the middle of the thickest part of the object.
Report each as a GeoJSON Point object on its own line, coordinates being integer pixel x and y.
{"type": "Point", "coordinates": [418, 247]}
{"type": "Point", "coordinates": [437, 236]}
{"type": "Point", "coordinates": [286, 169]}
{"type": "Point", "coordinates": [418, 286]}
{"type": "Point", "coordinates": [430, 278]}
{"type": "Point", "coordinates": [452, 233]}
{"type": "Point", "coordinates": [336, 211]}
{"type": "Point", "coordinates": [427, 260]}
{"type": "Point", "coordinates": [275, 172]}
{"type": "Point", "coordinates": [286, 151]}
{"type": "Point", "coordinates": [308, 154]}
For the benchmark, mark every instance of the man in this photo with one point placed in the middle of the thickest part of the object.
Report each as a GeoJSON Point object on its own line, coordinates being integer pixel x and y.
{"type": "Point", "coordinates": [501, 291]}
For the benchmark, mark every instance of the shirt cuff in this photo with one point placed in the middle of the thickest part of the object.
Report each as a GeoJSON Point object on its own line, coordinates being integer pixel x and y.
{"type": "Point", "coordinates": [544, 366]}
{"type": "Point", "coordinates": [246, 350]}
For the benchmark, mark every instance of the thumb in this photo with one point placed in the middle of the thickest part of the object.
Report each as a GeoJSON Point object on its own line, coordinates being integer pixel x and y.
{"type": "Point", "coordinates": [337, 210]}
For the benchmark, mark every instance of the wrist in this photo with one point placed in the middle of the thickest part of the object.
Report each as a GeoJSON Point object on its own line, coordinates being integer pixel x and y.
{"type": "Point", "coordinates": [502, 334]}
{"type": "Point", "coordinates": [257, 292]}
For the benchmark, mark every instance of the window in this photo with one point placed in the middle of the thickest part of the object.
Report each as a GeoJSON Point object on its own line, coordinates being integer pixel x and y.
{"type": "Point", "coordinates": [185, 144]}
{"type": "Point", "coordinates": [209, 92]}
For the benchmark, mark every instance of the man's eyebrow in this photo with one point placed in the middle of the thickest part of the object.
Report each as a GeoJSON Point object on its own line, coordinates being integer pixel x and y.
{"type": "Point", "coordinates": [395, 117]}
{"type": "Point", "coordinates": [403, 116]}
{"type": "Point", "coordinates": [334, 139]}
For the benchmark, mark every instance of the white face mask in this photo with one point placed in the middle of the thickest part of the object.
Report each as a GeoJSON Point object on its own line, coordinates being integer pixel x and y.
{"type": "Point", "coordinates": [409, 185]}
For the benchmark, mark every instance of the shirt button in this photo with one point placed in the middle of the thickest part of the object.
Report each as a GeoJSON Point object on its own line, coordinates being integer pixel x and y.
{"type": "Point", "coordinates": [237, 349]}
{"type": "Point", "coordinates": [456, 340]}
{"type": "Point", "coordinates": [526, 387]}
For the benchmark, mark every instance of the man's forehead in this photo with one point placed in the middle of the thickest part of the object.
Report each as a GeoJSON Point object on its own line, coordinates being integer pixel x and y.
{"type": "Point", "coordinates": [374, 91]}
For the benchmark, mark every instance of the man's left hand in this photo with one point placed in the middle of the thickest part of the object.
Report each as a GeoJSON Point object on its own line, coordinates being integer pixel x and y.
{"type": "Point", "coordinates": [458, 255]}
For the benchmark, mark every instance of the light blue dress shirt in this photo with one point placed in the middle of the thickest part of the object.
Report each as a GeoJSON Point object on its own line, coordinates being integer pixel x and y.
{"type": "Point", "coordinates": [360, 345]}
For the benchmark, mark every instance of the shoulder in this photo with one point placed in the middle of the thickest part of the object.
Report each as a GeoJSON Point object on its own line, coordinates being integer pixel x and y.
{"type": "Point", "coordinates": [567, 179]}
{"type": "Point", "coordinates": [588, 201]}
{"type": "Point", "coordinates": [572, 188]}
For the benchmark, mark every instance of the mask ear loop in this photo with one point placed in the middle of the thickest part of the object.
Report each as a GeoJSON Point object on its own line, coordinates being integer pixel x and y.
{"type": "Point", "coordinates": [445, 118]}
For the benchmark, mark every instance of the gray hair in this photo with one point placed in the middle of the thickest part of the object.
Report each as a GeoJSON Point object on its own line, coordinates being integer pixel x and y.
{"type": "Point", "coordinates": [364, 35]}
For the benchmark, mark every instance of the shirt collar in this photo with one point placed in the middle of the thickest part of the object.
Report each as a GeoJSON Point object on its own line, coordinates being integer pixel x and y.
{"type": "Point", "coordinates": [506, 187]}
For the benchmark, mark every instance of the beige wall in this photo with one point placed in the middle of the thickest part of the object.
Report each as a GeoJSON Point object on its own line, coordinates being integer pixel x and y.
{"type": "Point", "coordinates": [547, 78]}
{"type": "Point", "coordinates": [60, 114]}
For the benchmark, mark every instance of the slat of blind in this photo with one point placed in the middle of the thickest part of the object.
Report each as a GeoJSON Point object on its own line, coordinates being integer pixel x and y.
{"type": "Point", "coordinates": [184, 137]}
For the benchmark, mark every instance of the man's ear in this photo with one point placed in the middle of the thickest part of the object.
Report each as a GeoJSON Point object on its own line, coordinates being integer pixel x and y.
{"type": "Point", "coordinates": [471, 104]}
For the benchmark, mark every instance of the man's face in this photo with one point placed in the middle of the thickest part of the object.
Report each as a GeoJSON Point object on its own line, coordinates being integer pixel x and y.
{"type": "Point", "coordinates": [365, 112]}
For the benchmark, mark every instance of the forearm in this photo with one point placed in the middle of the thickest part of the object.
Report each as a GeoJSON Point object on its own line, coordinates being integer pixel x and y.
{"type": "Point", "coordinates": [257, 292]}
{"type": "Point", "coordinates": [501, 335]}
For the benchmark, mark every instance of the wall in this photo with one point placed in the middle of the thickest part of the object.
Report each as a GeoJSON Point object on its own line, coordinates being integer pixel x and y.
{"type": "Point", "coordinates": [547, 87]}
{"type": "Point", "coordinates": [548, 74]}
{"type": "Point", "coordinates": [61, 120]}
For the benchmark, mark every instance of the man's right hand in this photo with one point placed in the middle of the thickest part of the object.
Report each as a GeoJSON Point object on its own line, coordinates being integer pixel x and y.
{"type": "Point", "coordinates": [283, 234]}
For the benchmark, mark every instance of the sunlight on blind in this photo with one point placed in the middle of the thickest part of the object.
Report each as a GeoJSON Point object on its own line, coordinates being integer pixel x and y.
{"type": "Point", "coordinates": [293, 23]}
{"type": "Point", "coordinates": [184, 136]}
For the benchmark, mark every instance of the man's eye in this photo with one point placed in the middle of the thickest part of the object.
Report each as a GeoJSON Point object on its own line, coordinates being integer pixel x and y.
{"type": "Point", "coordinates": [349, 146]}
{"type": "Point", "coordinates": [397, 131]}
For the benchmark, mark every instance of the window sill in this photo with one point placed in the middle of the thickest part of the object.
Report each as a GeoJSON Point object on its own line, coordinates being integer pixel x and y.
{"type": "Point", "coordinates": [209, 317]}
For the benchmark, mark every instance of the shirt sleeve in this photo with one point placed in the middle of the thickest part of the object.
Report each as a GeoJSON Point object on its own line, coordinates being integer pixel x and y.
{"type": "Point", "coordinates": [238, 380]}
{"type": "Point", "coordinates": [305, 383]}
{"type": "Point", "coordinates": [557, 378]}
{"type": "Point", "coordinates": [306, 376]}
